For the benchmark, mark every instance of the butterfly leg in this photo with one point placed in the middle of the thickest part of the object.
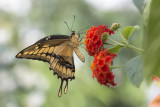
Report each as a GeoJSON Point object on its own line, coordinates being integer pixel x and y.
{"type": "Point", "coordinates": [66, 87]}
{"type": "Point", "coordinates": [80, 39]}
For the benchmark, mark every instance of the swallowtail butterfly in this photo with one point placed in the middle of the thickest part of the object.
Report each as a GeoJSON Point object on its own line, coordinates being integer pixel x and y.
{"type": "Point", "coordinates": [57, 50]}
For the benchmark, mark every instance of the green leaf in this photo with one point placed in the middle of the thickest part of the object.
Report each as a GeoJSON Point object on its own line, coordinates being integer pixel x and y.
{"type": "Point", "coordinates": [152, 37]}
{"type": "Point", "coordinates": [133, 69]}
{"type": "Point", "coordinates": [127, 31]}
{"type": "Point", "coordinates": [115, 49]}
{"type": "Point", "coordinates": [139, 4]}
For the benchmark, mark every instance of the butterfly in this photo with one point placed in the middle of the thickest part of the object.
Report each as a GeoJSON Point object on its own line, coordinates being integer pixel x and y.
{"type": "Point", "coordinates": [57, 50]}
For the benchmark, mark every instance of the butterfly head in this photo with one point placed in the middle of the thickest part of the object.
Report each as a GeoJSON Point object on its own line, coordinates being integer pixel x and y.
{"type": "Point", "coordinates": [75, 37]}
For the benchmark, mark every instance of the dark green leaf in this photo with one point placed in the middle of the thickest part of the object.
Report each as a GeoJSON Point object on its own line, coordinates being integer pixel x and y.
{"type": "Point", "coordinates": [139, 4]}
{"type": "Point", "coordinates": [133, 69]}
{"type": "Point", "coordinates": [127, 31]}
{"type": "Point", "coordinates": [115, 49]}
{"type": "Point", "coordinates": [152, 34]}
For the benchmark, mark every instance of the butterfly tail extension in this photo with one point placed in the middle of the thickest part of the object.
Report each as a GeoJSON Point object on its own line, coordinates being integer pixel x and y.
{"type": "Point", "coordinates": [66, 87]}
{"type": "Point", "coordinates": [60, 89]}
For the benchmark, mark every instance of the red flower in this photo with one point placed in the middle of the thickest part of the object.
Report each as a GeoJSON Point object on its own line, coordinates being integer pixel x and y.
{"type": "Point", "coordinates": [155, 102]}
{"type": "Point", "coordinates": [155, 78]}
{"type": "Point", "coordinates": [101, 67]}
{"type": "Point", "coordinates": [93, 40]}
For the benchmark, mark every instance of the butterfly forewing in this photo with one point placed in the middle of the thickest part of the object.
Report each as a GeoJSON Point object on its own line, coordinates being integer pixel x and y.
{"type": "Point", "coordinates": [43, 48]}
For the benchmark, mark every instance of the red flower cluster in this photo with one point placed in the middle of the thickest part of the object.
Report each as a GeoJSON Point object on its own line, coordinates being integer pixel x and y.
{"type": "Point", "coordinates": [93, 40]}
{"type": "Point", "coordinates": [103, 59]}
{"type": "Point", "coordinates": [101, 67]}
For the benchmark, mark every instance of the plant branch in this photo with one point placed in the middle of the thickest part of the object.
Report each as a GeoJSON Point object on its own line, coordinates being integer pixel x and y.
{"type": "Point", "coordinates": [109, 44]}
{"type": "Point", "coordinates": [120, 66]}
{"type": "Point", "coordinates": [115, 41]}
{"type": "Point", "coordinates": [135, 48]}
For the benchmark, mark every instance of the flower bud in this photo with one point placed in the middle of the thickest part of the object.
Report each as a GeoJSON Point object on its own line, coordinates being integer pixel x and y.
{"type": "Point", "coordinates": [115, 26]}
{"type": "Point", "coordinates": [104, 36]}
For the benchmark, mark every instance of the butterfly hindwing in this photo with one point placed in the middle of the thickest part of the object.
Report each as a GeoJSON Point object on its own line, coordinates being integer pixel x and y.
{"type": "Point", "coordinates": [43, 48]}
{"type": "Point", "coordinates": [62, 64]}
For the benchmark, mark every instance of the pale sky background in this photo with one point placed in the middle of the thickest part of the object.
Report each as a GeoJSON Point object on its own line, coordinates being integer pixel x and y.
{"type": "Point", "coordinates": [104, 5]}
{"type": "Point", "coordinates": [18, 7]}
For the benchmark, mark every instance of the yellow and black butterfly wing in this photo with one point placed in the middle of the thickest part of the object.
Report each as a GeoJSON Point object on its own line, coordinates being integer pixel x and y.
{"type": "Point", "coordinates": [43, 48]}
{"type": "Point", "coordinates": [62, 64]}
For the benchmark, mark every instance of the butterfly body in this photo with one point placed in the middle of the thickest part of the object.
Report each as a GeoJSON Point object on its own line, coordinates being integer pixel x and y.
{"type": "Point", "coordinates": [57, 50]}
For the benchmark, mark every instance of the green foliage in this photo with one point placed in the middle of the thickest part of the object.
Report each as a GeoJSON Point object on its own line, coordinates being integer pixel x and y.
{"type": "Point", "coordinates": [127, 31]}
{"type": "Point", "coordinates": [152, 33]}
{"type": "Point", "coordinates": [134, 69]}
{"type": "Point", "coordinates": [115, 49]}
{"type": "Point", "coordinates": [139, 4]}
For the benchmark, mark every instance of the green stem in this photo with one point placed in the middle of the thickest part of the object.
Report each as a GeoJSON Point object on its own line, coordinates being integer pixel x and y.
{"type": "Point", "coordinates": [115, 41]}
{"type": "Point", "coordinates": [113, 67]}
{"type": "Point", "coordinates": [135, 48]}
{"type": "Point", "coordinates": [126, 44]}
{"type": "Point", "coordinates": [114, 44]}
{"type": "Point", "coordinates": [109, 44]}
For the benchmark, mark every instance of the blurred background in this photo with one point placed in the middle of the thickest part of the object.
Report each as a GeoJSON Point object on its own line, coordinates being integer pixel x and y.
{"type": "Point", "coordinates": [28, 83]}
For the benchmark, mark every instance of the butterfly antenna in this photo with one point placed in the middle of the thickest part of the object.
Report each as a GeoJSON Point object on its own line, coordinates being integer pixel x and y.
{"type": "Point", "coordinates": [73, 21]}
{"type": "Point", "coordinates": [68, 26]}
{"type": "Point", "coordinates": [81, 38]}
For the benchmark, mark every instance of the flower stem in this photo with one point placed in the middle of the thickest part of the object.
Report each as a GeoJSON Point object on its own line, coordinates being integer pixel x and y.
{"type": "Point", "coordinates": [109, 44]}
{"type": "Point", "coordinates": [115, 41]}
{"type": "Point", "coordinates": [113, 67]}
{"type": "Point", "coordinates": [135, 48]}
